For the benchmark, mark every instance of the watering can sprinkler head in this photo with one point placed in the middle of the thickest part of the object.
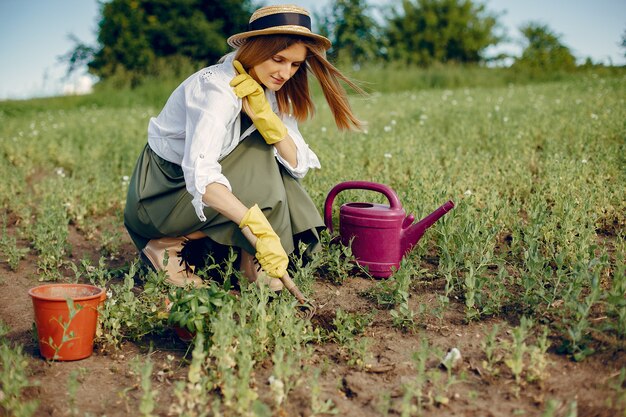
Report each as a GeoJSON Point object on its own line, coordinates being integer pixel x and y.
{"type": "Point", "coordinates": [379, 235]}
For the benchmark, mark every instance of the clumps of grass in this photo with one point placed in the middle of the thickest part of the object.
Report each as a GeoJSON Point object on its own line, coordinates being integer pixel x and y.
{"type": "Point", "coordinates": [236, 337]}
{"type": "Point", "coordinates": [346, 329]}
{"type": "Point", "coordinates": [617, 386]}
{"type": "Point", "coordinates": [49, 237]}
{"type": "Point", "coordinates": [192, 308]}
{"type": "Point", "coordinates": [429, 386]}
{"type": "Point", "coordinates": [9, 248]}
{"type": "Point", "coordinates": [335, 261]}
{"type": "Point", "coordinates": [320, 407]}
{"type": "Point", "coordinates": [143, 368]}
{"type": "Point", "coordinates": [130, 315]}
{"type": "Point", "coordinates": [73, 383]}
{"type": "Point", "coordinates": [524, 355]}
{"type": "Point", "coordinates": [393, 291]}
{"type": "Point", "coordinates": [393, 294]}
{"type": "Point", "coordinates": [14, 377]}
{"type": "Point", "coordinates": [582, 294]}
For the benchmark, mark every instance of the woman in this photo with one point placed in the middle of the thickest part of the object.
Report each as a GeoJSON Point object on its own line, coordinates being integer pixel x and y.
{"type": "Point", "coordinates": [224, 156]}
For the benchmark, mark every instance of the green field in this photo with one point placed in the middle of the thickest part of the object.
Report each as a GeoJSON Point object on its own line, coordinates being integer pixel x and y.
{"type": "Point", "coordinates": [535, 245]}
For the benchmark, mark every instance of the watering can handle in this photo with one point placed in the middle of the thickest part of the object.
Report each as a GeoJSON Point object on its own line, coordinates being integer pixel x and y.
{"type": "Point", "coordinates": [394, 201]}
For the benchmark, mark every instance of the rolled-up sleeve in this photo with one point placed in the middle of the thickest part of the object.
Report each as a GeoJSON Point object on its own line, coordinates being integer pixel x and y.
{"type": "Point", "coordinates": [306, 158]}
{"type": "Point", "coordinates": [210, 109]}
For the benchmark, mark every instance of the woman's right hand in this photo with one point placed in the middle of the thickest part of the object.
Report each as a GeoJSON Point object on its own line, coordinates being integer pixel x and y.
{"type": "Point", "coordinates": [266, 121]}
{"type": "Point", "coordinates": [269, 250]}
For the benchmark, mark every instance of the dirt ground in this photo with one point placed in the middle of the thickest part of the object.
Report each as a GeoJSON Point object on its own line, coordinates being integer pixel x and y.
{"type": "Point", "coordinates": [107, 387]}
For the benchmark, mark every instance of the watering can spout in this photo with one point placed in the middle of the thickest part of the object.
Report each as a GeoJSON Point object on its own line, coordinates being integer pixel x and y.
{"type": "Point", "coordinates": [412, 234]}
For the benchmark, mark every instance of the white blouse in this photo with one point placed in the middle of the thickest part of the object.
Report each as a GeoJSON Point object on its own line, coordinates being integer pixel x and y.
{"type": "Point", "coordinates": [200, 125]}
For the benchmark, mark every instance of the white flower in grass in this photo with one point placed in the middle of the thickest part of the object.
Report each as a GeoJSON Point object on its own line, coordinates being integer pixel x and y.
{"type": "Point", "coordinates": [60, 172]}
{"type": "Point", "coordinates": [594, 116]}
{"type": "Point", "coordinates": [324, 129]}
{"type": "Point", "coordinates": [505, 119]}
{"type": "Point", "coordinates": [388, 155]}
{"type": "Point", "coordinates": [468, 192]}
{"type": "Point", "coordinates": [393, 122]}
{"type": "Point", "coordinates": [387, 128]}
{"type": "Point", "coordinates": [584, 161]}
{"type": "Point", "coordinates": [125, 178]}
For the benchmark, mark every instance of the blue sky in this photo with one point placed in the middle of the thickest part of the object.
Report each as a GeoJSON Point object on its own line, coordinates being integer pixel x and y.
{"type": "Point", "coordinates": [34, 33]}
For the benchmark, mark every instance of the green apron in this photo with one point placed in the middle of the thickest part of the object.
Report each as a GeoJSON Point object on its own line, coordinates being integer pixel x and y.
{"type": "Point", "coordinates": [158, 204]}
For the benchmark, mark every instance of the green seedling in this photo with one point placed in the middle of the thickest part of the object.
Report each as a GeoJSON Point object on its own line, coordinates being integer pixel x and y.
{"type": "Point", "coordinates": [67, 334]}
{"type": "Point", "coordinates": [15, 379]}
{"type": "Point", "coordinates": [192, 308]}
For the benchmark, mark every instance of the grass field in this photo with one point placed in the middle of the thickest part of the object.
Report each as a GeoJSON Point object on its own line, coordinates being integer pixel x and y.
{"type": "Point", "coordinates": [531, 261]}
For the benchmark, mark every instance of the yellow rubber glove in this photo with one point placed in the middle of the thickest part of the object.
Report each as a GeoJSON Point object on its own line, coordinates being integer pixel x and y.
{"type": "Point", "coordinates": [269, 251]}
{"type": "Point", "coordinates": [266, 121]}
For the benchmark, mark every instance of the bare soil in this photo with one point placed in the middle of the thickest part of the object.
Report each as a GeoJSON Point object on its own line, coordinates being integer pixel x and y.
{"type": "Point", "coordinates": [108, 387]}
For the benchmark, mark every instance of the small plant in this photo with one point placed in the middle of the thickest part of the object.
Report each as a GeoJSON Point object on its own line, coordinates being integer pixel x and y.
{"type": "Point", "coordinates": [335, 259]}
{"type": "Point", "coordinates": [414, 391]}
{"type": "Point", "coordinates": [577, 324]}
{"type": "Point", "coordinates": [538, 360]}
{"type": "Point", "coordinates": [404, 317]}
{"type": "Point", "coordinates": [73, 383]}
{"type": "Point", "coordinates": [127, 314]}
{"type": "Point", "coordinates": [492, 354]}
{"type": "Point", "coordinates": [517, 349]}
{"type": "Point", "coordinates": [8, 247]}
{"type": "Point", "coordinates": [13, 374]}
{"type": "Point", "coordinates": [526, 360]}
{"type": "Point", "coordinates": [110, 238]}
{"type": "Point", "coordinates": [617, 384]}
{"type": "Point", "coordinates": [49, 238]}
{"type": "Point", "coordinates": [348, 325]}
{"type": "Point", "coordinates": [193, 394]}
{"type": "Point", "coordinates": [99, 275]}
{"type": "Point", "coordinates": [394, 290]}
{"type": "Point", "coordinates": [148, 395]}
{"type": "Point", "coordinates": [192, 308]}
{"type": "Point", "coordinates": [319, 407]}
{"type": "Point", "coordinates": [383, 405]}
{"type": "Point", "coordinates": [67, 335]}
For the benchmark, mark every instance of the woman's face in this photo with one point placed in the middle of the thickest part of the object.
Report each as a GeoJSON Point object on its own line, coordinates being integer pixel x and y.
{"type": "Point", "coordinates": [273, 73]}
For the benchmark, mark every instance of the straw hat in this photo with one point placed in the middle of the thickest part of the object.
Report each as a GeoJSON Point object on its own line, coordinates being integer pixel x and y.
{"type": "Point", "coordinates": [279, 20]}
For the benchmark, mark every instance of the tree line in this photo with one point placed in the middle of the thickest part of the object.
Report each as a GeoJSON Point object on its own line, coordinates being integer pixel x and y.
{"type": "Point", "coordinates": [138, 38]}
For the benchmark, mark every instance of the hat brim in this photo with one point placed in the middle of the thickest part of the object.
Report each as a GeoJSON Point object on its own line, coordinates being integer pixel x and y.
{"type": "Point", "coordinates": [239, 39]}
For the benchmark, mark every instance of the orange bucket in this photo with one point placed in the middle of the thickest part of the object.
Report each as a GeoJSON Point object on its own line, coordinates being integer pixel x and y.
{"type": "Point", "coordinates": [59, 337]}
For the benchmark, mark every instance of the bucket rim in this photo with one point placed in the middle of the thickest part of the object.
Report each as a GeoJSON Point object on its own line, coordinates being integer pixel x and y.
{"type": "Point", "coordinates": [98, 294]}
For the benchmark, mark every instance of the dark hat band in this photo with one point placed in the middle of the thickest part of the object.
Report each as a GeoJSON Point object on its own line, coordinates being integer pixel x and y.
{"type": "Point", "coordinates": [280, 19]}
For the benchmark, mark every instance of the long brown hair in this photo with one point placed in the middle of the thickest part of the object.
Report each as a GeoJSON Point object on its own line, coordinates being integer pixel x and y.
{"type": "Point", "coordinates": [294, 97]}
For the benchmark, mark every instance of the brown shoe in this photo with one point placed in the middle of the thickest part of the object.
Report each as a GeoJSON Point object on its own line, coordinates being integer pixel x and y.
{"type": "Point", "coordinates": [178, 273]}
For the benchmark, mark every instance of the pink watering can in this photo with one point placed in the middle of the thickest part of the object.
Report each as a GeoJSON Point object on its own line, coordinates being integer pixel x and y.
{"type": "Point", "coordinates": [381, 234]}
